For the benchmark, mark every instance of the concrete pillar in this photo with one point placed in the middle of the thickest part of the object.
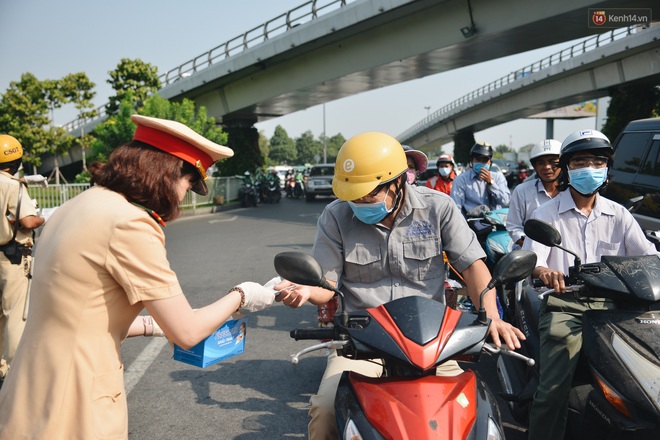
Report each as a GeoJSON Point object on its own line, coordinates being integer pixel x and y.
{"type": "Point", "coordinates": [550, 128]}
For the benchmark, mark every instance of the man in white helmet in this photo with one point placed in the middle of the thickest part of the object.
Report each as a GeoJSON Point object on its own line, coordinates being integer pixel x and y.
{"type": "Point", "coordinates": [382, 240]}
{"type": "Point", "coordinates": [532, 193]}
{"type": "Point", "coordinates": [592, 226]}
{"type": "Point", "coordinates": [16, 240]}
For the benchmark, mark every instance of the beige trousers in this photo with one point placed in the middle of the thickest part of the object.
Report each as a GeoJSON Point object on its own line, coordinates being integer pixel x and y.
{"type": "Point", "coordinates": [13, 292]}
{"type": "Point", "coordinates": [323, 424]}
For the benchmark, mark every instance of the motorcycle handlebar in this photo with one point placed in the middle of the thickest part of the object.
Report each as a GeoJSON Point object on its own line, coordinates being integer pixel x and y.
{"type": "Point", "coordinates": [312, 333]}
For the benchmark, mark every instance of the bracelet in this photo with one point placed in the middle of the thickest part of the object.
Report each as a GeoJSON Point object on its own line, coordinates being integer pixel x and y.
{"type": "Point", "coordinates": [148, 323]}
{"type": "Point", "coordinates": [242, 292]}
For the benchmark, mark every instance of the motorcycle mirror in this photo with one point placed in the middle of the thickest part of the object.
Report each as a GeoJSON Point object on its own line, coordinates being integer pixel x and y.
{"type": "Point", "coordinates": [301, 268]}
{"type": "Point", "coordinates": [547, 235]}
{"type": "Point", "coordinates": [542, 232]}
{"type": "Point", "coordinates": [513, 266]}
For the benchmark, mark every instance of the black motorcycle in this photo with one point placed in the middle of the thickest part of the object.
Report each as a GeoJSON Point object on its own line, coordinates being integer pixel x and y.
{"type": "Point", "coordinates": [616, 388]}
{"type": "Point", "coordinates": [249, 194]}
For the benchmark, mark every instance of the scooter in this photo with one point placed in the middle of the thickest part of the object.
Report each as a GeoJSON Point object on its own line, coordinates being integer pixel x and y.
{"type": "Point", "coordinates": [298, 189]}
{"type": "Point", "coordinates": [249, 194]}
{"type": "Point", "coordinates": [490, 228]}
{"type": "Point", "coordinates": [616, 389]}
{"type": "Point", "coordinates": [412, 336]}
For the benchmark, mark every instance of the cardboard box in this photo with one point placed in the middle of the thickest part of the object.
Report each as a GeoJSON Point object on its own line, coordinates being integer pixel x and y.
{"type": "Point", "coordinates": [226, 342]}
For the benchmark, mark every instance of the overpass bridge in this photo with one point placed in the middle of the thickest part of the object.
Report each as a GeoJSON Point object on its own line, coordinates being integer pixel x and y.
{"type": "Point", "coordinates": [329, 49]}
{"type": "Point", "coordinates": [583, 72]}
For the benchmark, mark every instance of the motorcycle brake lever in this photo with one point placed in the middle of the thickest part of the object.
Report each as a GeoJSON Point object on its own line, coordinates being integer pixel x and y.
{"type": "Point", "coordinates": [505, 351]}
{"type": "Point", "coordinates": [569, 289]}
{"type": "Point", "coordinates": [295, 358]}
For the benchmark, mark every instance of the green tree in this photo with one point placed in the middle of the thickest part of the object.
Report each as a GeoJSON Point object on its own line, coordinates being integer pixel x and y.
{"type": "Point", "coordinates": [79, 90]}
{"type": "Point", "coordinates": [117, 130]}
{"type": "Point", "coordinates": [332, 146]}
{"type": "Point", "coordinates": [135, 76]}
{"type": "Point", "coordinates": [499, 151]}
{"type": "Point", "coordinates": [307, 148]}
{"type": "Point", "coordinates": [282, 147]}
{"type": "Point", "coordinates": [630, 103]}
{"type": "Point", "coordinates": [264, 146]}
{"type": "Point", "coordinates": [463, 142]}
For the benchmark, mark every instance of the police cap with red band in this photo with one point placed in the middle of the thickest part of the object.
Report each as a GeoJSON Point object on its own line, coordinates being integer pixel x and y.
{"type": "Point", "coordinates": [180, 141]}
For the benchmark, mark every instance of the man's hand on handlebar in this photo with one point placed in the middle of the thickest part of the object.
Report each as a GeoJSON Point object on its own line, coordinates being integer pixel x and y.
{"type": "Point", "coordinates": [552, 279]}
{"type": "Point", "coordinates": [502, 332]}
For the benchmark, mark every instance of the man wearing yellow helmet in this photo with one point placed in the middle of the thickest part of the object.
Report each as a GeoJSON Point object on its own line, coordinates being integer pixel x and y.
{"type": "Point", "coordinates": [15, 242]}
{"type": "Point", "coordinates": [384, 239]}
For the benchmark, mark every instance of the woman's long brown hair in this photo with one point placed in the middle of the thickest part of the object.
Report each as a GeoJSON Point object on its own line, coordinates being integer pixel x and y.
{"type": "Point", "coordinates": [144, 175]}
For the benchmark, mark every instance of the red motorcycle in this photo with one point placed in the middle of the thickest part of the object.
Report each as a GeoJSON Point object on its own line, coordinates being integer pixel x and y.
{"type": "Point", "coordinates": [523, 172]}
{"type": "Point", "coordinates": [412, 336]}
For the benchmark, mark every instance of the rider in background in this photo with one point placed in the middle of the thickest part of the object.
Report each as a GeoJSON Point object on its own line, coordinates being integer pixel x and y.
{"type": "Point", "coordinates": [417, 164]}
{"type": "Point", "coordinates": [446, 174]}
{"type": "Point", "coordinates": [591, 226]}
{"type": "Point", "coordinates": [532, 193]}
{"type": "Point", "coordinates": [480, 186]}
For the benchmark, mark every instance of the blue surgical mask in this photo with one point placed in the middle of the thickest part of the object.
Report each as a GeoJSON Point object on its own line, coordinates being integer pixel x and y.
{"type": "Point", "coordinates": [444, 172]}
{"type": "Point", "coordinates": [587, 180]}
{"type": "Point", "coordinates": [371, 213]}
{"type": "Point", "coordinates": [479, 165]}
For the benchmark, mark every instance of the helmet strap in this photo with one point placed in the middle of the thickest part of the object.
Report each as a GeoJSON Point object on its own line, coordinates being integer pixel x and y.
{"type": "Point", "coordinates": [398, 196]}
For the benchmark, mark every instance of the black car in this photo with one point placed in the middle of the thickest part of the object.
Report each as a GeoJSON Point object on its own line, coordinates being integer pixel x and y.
{"type": "Point", "coordinates": [635, 175]}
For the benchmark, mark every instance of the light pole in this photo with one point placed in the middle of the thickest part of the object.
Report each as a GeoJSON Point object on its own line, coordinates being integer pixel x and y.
{"type": "Point", "coordinates": [428, 110]}
{"type": "Point", "coordinates": [325, 158]}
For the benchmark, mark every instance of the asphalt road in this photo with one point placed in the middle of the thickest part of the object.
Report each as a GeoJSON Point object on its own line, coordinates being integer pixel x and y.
{"type": "Point", "coordinates": [258, 394]}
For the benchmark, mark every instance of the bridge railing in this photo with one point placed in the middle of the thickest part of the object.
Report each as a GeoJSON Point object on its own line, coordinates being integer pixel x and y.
{"type": "Point", "coordinates": [308, 11]}
{"type": "Point", "coordinates": [581, 48]}
{"type": "Point", "coordinates": [301, 14]}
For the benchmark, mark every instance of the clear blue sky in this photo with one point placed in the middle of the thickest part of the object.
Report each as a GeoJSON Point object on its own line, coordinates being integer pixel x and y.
{"type": "Point", "coordinates": [52, 38]}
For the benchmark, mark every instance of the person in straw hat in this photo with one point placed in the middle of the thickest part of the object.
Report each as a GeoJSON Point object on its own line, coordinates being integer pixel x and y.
{"type": "Point", "coordinates": [101, 259]}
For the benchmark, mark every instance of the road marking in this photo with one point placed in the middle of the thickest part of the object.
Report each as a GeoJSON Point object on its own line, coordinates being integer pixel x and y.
{"type": "Point", "coordinates": [230, 219]}
{"type": "Point", "coordinates": [136, 370]}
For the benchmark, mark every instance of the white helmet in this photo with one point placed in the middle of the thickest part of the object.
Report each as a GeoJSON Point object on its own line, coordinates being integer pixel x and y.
{"type": "Point", "coordinates": [546, 147]}
{"type": "Point", "coordinates": [585, 140]}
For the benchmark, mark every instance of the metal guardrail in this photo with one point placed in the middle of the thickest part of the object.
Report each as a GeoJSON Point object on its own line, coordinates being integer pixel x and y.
{"type": "Point", "coordinates": [304, 13]}
{"type": "Point", "coordinates": [581, 48]}
{"type": "Point", "coordinates": [221, 190]}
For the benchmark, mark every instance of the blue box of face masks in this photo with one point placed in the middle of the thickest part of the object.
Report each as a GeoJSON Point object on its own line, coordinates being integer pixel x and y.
{"type": "Point", "coordinates": [228, 341]}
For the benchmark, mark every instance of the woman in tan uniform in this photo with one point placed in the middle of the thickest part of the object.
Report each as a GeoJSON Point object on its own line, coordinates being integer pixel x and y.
{"type": "Point", "coordinates": [100, 260]}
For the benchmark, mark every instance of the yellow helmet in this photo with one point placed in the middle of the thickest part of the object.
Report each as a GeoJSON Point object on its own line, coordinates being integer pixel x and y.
{"type": "Point", "coordinates": [10, 148]}
{"type": "Point", "coordinates": [366, 161]}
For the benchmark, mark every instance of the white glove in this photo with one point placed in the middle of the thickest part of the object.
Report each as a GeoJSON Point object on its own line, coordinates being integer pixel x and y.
{"type": "Point", "coordinates": [257, 297]}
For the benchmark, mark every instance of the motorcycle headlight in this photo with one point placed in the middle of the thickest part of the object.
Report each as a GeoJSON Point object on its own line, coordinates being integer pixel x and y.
{"type": "Point", "coordinates": [494, 432]}
{"type": "Point", "coordinates": [351, 432]}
